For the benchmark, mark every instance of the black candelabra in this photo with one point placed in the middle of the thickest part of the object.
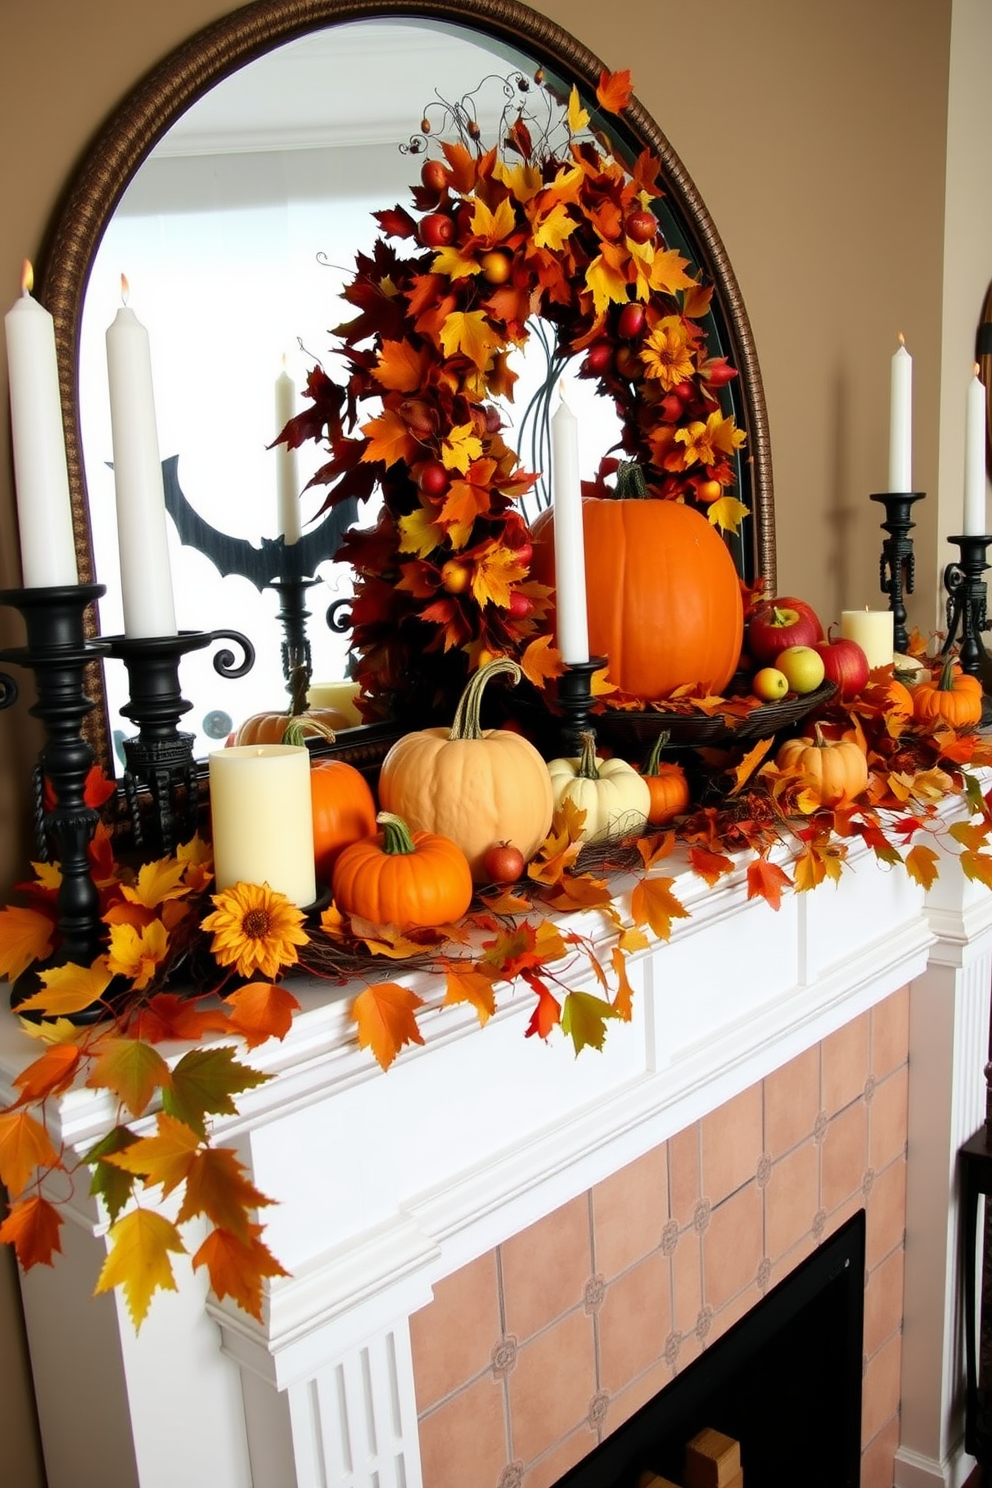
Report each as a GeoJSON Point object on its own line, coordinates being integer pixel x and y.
{"type": "Point", "coordinates": [575, 698]}
{"type": "Point", "coordinates": [967, 611]}
{"type": "Point", "coordinates": [897, 565]}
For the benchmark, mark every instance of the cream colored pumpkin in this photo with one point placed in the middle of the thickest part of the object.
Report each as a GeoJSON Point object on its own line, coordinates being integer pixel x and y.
{"type": "Point", "coordinates": [836, 769]}
{"type": "Point", "coordinates": [615, 799]}
{"type": "Point", "coordinates": [477, 786]}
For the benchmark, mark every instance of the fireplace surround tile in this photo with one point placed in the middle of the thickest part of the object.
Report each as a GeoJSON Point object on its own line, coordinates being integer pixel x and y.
{"type": "Point", "coordinates": [845, 1064]}
{"type": "Point", "coordinates": [876, 1461]}
{"type": "Point", "coordinates": [634, 1321]}
{"type": "Point", "coordinates": [733, 1246]}
{"type": "Point", "coordinates": [687, 1284]}
{"type": "Point", "coordinates": [466, 1323]}
{"type": "Point", "coordinates": [555, 1463]}
{"type": "Point", "coordinates": [889, 1033]}
{"type": "Point", "coordinates": [792, 1103]}
{"type": "Point", "coordinates": [886, 1213]}
{"type": "Point", "coordinates": [630, 1211]}
{"type": "Point", "coordinates": [792, 1198]}
{"type": "Point", "coordinates": [463, 1432]}
{"type": "Point", "coordinates": [844, 1154]}
{"type": "Point", "coordinates": [550, 1390]}
{"type": "Point", "coordinates": [881, 1388]}
{"type": "Point", "coordinates": [883, 1301]}
{"type": "Point", "coordinates": [545, 1268]}
{"type": "Point", "coordinates": [731, 1142]}
{"type": "Point", "coordinates": [887, 1115]}
{"type": "Point", "coordinates": [684, 1181]}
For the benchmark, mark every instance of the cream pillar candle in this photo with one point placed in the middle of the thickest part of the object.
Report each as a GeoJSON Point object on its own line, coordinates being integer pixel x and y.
{"type": "Point", "coordinates": [146, 578]}
{"type": "Point", "coordinates": [261, 819]}
{"type": "Point", "coordinates": [873, 631]}
{"type": "Point", "coordinates": [339, 695]}
{"type": "Point", "coordinates": [570, 570]}
{"type": "Point", "coordinates": [41, 478]}
{"type": "Point", "coordinates": [287, 475]}
{"type": "Point", "coordinates": [975, 520]}
{"type": "Point", "coordinates": [901, 421]}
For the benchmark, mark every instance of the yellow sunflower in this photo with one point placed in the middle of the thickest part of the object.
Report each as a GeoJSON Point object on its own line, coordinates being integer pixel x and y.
{"type": "Point", "coordinates": [255, 929]}
{"type": "Point", "coordinates": [667, 353]}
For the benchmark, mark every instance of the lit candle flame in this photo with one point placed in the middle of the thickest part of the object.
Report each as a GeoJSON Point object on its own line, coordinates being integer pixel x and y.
{"type": "Point", "coordinates": [27, 277]}
{"type": "Point", "coordinates": [902, 339]}
{"type": "Point", "coordinates": [977, 370]}
{"type": "Point", "coordinates": [125, 288]}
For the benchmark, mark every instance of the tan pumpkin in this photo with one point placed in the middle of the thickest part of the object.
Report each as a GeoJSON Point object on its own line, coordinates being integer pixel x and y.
{"type": "Point", "coordinates": [662, 593]}
{"type": "Point", "coordinates": [477, 786]}
{"type": "Point", "coordinates": [615, 799]}
{"type": "Point", "coordinates": [270, 728]}
{"type": "Point", "coordinates": [836, 769]}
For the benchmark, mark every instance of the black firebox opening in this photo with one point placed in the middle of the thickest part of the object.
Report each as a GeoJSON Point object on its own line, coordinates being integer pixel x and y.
{"type": "Point", "coordinates": [785, 1382]}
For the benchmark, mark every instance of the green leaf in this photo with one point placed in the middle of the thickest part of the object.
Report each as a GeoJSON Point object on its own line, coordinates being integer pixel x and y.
{"type": "Point", "coordinates": [584, 1018]}
{"type": "Point", "coordinates": [111, 1184]}
{"type": "Point", "coordinates": [973, 793]}
{"type": "Point", "coordinates": [202, 1084]}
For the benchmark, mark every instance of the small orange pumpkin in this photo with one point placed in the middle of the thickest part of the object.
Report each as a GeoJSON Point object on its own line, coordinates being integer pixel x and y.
{"type": "Point", "coordinates": [836, 769]}
{"type": "Point", "coordinates": [953, 698]}
{"type": "Point", "coordinates": [271, 728]}
{"type": "Point", "coordinates": [403, 878]}
{"type": "Point", "coordinates": [667, 783]}
{"type": "Point", "coordinates": [343, 811]}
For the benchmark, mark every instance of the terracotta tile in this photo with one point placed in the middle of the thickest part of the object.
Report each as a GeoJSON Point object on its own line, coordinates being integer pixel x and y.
{"type": "Point", "coordinates": [687, 1278]}
{"type": "Point", "coordinates": [843, 1156]}
{"type": "Point", "coordinates": [886, 1213]}
{"type": "Point", "coordinates": [689, 1350]}
{"type": "Point", "coordinates": [452, 1338]}
{"type": "Point", "coordinates": [464, 1440]}
{"type": "Point", "coordinates": [880, 1394]}
{"type": "Point", "coordinates": [792, 1101]}
{"type": "Point", "coordinates": [792, 1197]}
{"type": "Point", "coordinates": [888, 1115]}
{"type": "Point", "coordinates": [883, 1301]}
{"type": "Point", "coordinates": [877, 1458]}
{"type": "Point", "coordinates": [890, 1034]}
{"type": "Point", "coordinates": [639, 1392]}
{"type": "Point", "coordinates": [735, 1309]}
{"type": "Point", "coordinates": [629, 1212]}
{"type": "Point", "coordinates": [683, 1174]}
{"type": "Point", "coordinates": [732, 1246]}
{"type": "Point", "coordinates": [845, 1064]}
{"type": "Point", "coordinates": [550, 1388]}
{"type": "Point", "coordinates": [566, 1454]}
{"type": "Point", "coordinates": [731, 1144]}
{"type": "Point", "coordinates": [634, 1322]}
{"type": "Point", "coordinates": [788, 1262]}
{"type": "Point", "coordinates": [546, 1267]}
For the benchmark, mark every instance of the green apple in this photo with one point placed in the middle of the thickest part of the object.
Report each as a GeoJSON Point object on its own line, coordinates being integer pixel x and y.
{"type": "Point", "coordinates": [769, 684]}
{"type": "Point", "coordinates": [802, 666]}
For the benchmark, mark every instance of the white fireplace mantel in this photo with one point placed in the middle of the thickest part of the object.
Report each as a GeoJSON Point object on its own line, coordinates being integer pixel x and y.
{"type": "Point", "coordinates": [387, 1183]}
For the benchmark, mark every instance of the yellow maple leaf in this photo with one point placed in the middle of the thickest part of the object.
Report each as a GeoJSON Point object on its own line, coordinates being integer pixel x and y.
{"type": "Point", "coordinates": [727, 513]}
{"type": "Point", "coordinates": [472, 986]}
{"type": "Point", "coordinates": [578, 118]}
{"type": "Point", "coordinates": [454, 264]}
{"type": "Point", "coordinates": [49, 875]}
{"type": "Point", "coordinates": [156, 882]}
{"type": "Point", "coordinates": [131, 1069]}
{"type": "Point", "coordinates": [493, 226]}
{"type": "Point", "coordinates": [385, 1017]}
{"type": "Point", "coordinates": [460, 446]}
{"type": "Point", "coordinates": [523, 181]}
{"type": "Point", "coordinates": [743, 772]}
{"type": "Point", "coordinates": [584, 1018]}
{"type": "Point", "coordinates": [384, 940]}
{"type": "Point", "coordinates": [469, 332]}
{"type": "Point", "coordinates": [137, 954]}
{"type": "Point", "coordinates": [496, 570]}
{"type": "Point", "coordinates": [554, 228]}
{"type": "Point", "coordinates": [139, 1260]}
{"type": "Point", "coordinates": [921, 864]}
{"type": "Point", "coordinates": [24, 1146]}
{"type": "Point", "coordinates": [541, 661]}
{"type": "Point", "coordinates": [51, 1031]}
{"type": "Point", "coordinates": [419, 533]}
{"type": "Point", "coordinates": [165, 1158]}
{"type": "Point", "coordinates": [25, 936]}
{"type": "Point", "coordinates": [668, 272]}
{"type": "Point", "coordinates": [68, 989]}
{"type": "Point", "coordinates": [606, 283]}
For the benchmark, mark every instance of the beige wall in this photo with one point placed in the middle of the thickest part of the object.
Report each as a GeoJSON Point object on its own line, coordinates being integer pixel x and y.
{"type": "Point", "coordinates": [816, 135]}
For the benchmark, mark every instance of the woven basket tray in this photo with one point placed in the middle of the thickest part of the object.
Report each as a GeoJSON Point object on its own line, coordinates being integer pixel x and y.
{"type": "Point", "coordinates": [620, 729]}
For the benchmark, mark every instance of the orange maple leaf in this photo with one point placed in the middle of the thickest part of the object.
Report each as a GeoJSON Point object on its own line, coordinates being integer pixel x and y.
{"type": "Point", "coordinates": [32, 1227]}
{"type": "Point", "coordinates": [742, 774]}
{"type": "Point", "coordinates": [260, 1011]}
{"type": "Point", "coordinates": [25, 936]}
{"type": "Point", "coordinates": [652, 903]}
{"type": "Point", "coordinates": [472, 986]}
{"type": "Point", "coordinates": [132, 1070]}
{"type": "Point", "coordinates": [389, 439]}
{"type": "Point", "coordinates": [49, 1075]}
{"type": "Point", "coordinates": [921, 864]}
{"type": "Point", "coordinates": [139, 1260]}
{"type": "Point", "coordinates": [977, 867]}
{"type": "Point", "coordinates": [541, 661]}
{"type": "Point", "coordinates": [709, 865]}
{"type": "Point", "coordinates": [767, 880]}
{"type": "Point", "coordinates": [24, 1146]}
{"type": "Point", "coordinates": [496, 570]}
{"type": "Point", "coordinates": [613, 91]}
{"type": "Point", "coordinates": [236, 1267]}
{"type": "Point", "coordinates": [547, 1013]}
{"type": "Point", "coordinates": [217, 1187]}
{"type": "Point", "coordinates": [385, 1015]}
{"type": "Point", "coordinates": [401, 367]}
{"type": "Point", "coordinates": [624, 999]}
{"type": "Point", "coordinates": [165, 1158]}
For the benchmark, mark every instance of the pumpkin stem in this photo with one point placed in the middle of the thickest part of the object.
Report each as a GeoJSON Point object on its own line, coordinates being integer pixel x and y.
{"type": "Point", "coordinates": [946, 683]}
{"type": "Point", "coordinates": [466, 721]}
{"type": "Point", "coordinates": [818, 739]}
{"type": "Point", "coordinates": [300, 728]}
{"type": "Point", "coordinates": [653, 762]}
{"type": "Point", "coordinates": [587, 760]}
{"type": "Point", "coordinates": [631, 485]}
{"type": "Point", "coordinates": [396, 835]}
{"type": "Point", "coordinates": [299, 686]}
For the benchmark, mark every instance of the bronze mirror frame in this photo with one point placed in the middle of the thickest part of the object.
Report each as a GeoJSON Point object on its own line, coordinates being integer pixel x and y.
{"type": "Point", "coordinates": [225, 46]}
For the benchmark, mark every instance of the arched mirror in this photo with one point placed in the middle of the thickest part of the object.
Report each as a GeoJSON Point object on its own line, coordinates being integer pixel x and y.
{"type": "Point", "coordinates": [234, 187]}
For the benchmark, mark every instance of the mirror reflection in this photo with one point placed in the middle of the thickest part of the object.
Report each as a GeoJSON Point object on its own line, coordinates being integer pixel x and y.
{"type": "Point", "coordinates": [236, 235]}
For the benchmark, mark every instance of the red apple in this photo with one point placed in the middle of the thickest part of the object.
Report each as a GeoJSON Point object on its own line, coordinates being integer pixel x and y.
{"type": "Point", "coordinates": [599, 359]}
{"type": "Point", "coordinates": [436, 230]}
{"type": "Point", "coordinates": [845, 663]}
{"type": "Point", "coordinates": [778, 623]}
{"type": "Point", "coordinates": [631, 321]}
{"type": "Point", "coordinates": [641, 226]}
{"type": "Point", "coordinates": [433, 479]}
{"type": "Point", "coordinates": [434, 175]}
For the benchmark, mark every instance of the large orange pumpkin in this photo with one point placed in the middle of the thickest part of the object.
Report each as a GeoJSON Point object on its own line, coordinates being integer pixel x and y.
{"type": "Point", "coordinates": [662, 594]}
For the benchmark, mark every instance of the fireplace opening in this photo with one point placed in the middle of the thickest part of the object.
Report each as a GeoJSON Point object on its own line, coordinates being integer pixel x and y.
{"type": "Point", "coordinates": [785, 1382]}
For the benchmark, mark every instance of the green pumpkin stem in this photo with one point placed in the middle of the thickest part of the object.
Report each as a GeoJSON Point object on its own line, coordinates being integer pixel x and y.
{"type": "Point", "coordinates": [818, 739]}
{"type": "Point", "coordinates": [466, 723]}
{"type": "Point", "coordinates": [300, 728]}
{"type": "Point", "coordinates": [396, 835]}
{"type": "Point", "coordinates": [587, 759]}
{"type": "Point", "coordinates": [946, 683]}
{"type": "Point", "coordinates": [299, 686]}
{"type": "Point", "coordinates": [652, 765]}
{"type": "Point", "coordinates": [631, 485]}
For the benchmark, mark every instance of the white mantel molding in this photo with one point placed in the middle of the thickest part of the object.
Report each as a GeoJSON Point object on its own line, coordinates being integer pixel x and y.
{"type": "Point", "coordinates": [386, 1183]}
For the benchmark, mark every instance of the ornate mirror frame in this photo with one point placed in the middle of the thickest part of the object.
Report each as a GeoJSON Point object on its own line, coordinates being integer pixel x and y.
{"type": "Point", "coordinates": [222, 48]}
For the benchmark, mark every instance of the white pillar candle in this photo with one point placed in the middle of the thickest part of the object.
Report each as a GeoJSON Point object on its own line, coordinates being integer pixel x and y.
{"type": "Point", "coordinates": [901, 421]}
{"type": "Point", "coordinates": [873, 631]}
{"type": "Point", "coordinates": [338, 695]}
{"type": "Point", "coordinates": [287, 475]}
{"type": "Point", "coordinates": [146, 579]}
{"type": "Point", "coordinates": [44, 509]}
{"type": "Point", "coordinates": [975, 520]}
{"type": "Point", "coordinates": [570, 570]}
{"type": "Point", "coordinates": [261, 819]}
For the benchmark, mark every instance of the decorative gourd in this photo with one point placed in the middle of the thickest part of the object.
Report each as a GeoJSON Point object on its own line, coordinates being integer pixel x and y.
{"type": "Point", "coordinates": [403, 878]}
{"type": "Point", "coordinates": [477, 786]}
{"type": "Point", "coordinates": [954, 699]}
{"type": "Point", "coordinates": [891, 694]}
{"type": "Point", "coordinates": [662, 593]}
{"type": "Point", "coordinates": [343, 811]}
{"type": "Point", "coordinates": [270, 728]}
{"type": "Point", "coordinates": [667, 784]}
{"type": "Point", "coordinates": [615, 799]}
{"type": "Point", "coordinates": [836, 769]}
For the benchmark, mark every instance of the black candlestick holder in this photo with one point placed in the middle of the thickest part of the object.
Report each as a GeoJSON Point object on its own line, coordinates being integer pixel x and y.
{"type": "Point", "coordinates": [575, 699]}
{"type": "Point", "coordinates": [967, 612]}
{"type": "Point", "coordinates": [897, 565]}
{"type": "Point", "coordinates": [58, 652]}
{"type": "Point", "coordinates": [160, 758]}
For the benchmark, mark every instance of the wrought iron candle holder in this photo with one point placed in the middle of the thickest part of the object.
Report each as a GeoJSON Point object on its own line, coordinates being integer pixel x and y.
{"type": "Point", "coordinates": [967, 612]}
{"type": "Point", "coordinates": [575, 698]}
{"type": "Point", "coordinates": [897, 565]}
{"type": "Point", "coordinates": [58, 652]}
{"type": "Point", "coordinates": [160, 757]}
